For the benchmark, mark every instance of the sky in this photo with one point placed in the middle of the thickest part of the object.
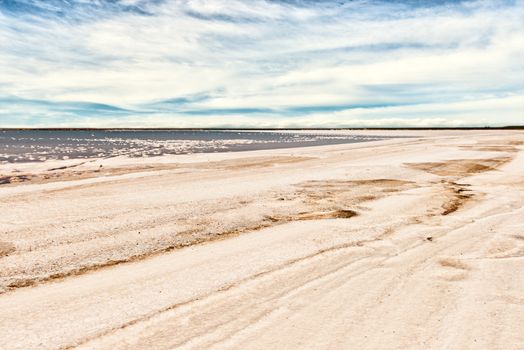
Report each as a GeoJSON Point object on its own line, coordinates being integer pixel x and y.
{"type": "Point", "coordinates": [261, 63]}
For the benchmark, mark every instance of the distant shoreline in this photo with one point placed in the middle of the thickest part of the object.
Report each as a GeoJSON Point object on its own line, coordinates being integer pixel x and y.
{"type": "Point", "coordinates": [510, 127]}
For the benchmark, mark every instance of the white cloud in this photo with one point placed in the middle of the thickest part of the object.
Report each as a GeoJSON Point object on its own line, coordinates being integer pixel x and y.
{"type": "Point", "coordinates": [272, 55]}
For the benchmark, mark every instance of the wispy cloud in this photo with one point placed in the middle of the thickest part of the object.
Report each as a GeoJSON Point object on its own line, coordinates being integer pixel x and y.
{"type": "Point", "coordinates": [261, 63]}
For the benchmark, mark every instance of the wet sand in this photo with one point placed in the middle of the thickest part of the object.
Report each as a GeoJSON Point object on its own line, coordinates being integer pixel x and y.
{"type": "Point", "coordinates": [412, 243]}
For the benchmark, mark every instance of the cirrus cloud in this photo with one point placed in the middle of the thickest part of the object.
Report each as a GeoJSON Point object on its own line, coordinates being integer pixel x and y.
{"type": "Point", "coordinates": [259, 63]}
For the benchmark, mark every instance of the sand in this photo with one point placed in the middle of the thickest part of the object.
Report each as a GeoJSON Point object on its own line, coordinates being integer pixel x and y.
{"type": "Point", "coordinates": [408, 243]}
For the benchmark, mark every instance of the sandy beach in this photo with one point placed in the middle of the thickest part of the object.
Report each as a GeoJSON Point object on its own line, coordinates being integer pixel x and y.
{"type": "Point", "coordinates": [414, 242]}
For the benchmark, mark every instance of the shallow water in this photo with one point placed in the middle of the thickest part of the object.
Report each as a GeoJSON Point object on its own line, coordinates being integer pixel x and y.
{"type": "Point", "coordinates": [40, 145]}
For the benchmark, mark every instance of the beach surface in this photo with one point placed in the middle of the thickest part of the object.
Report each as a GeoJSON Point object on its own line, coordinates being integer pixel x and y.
{"type": "Point", "coordinates": [405, 243]}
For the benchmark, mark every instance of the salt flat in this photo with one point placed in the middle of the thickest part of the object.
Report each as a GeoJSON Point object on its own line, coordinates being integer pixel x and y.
{"type": "Point", "coordinates": [408, 243]}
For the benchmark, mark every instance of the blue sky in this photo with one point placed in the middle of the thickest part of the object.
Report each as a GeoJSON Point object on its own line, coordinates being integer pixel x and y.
{"type": "Point", "coordinates": [258, 63]}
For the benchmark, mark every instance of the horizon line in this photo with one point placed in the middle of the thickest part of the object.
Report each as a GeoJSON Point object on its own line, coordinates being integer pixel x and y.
{"type": "Point", "coordinates": [507, 127]}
